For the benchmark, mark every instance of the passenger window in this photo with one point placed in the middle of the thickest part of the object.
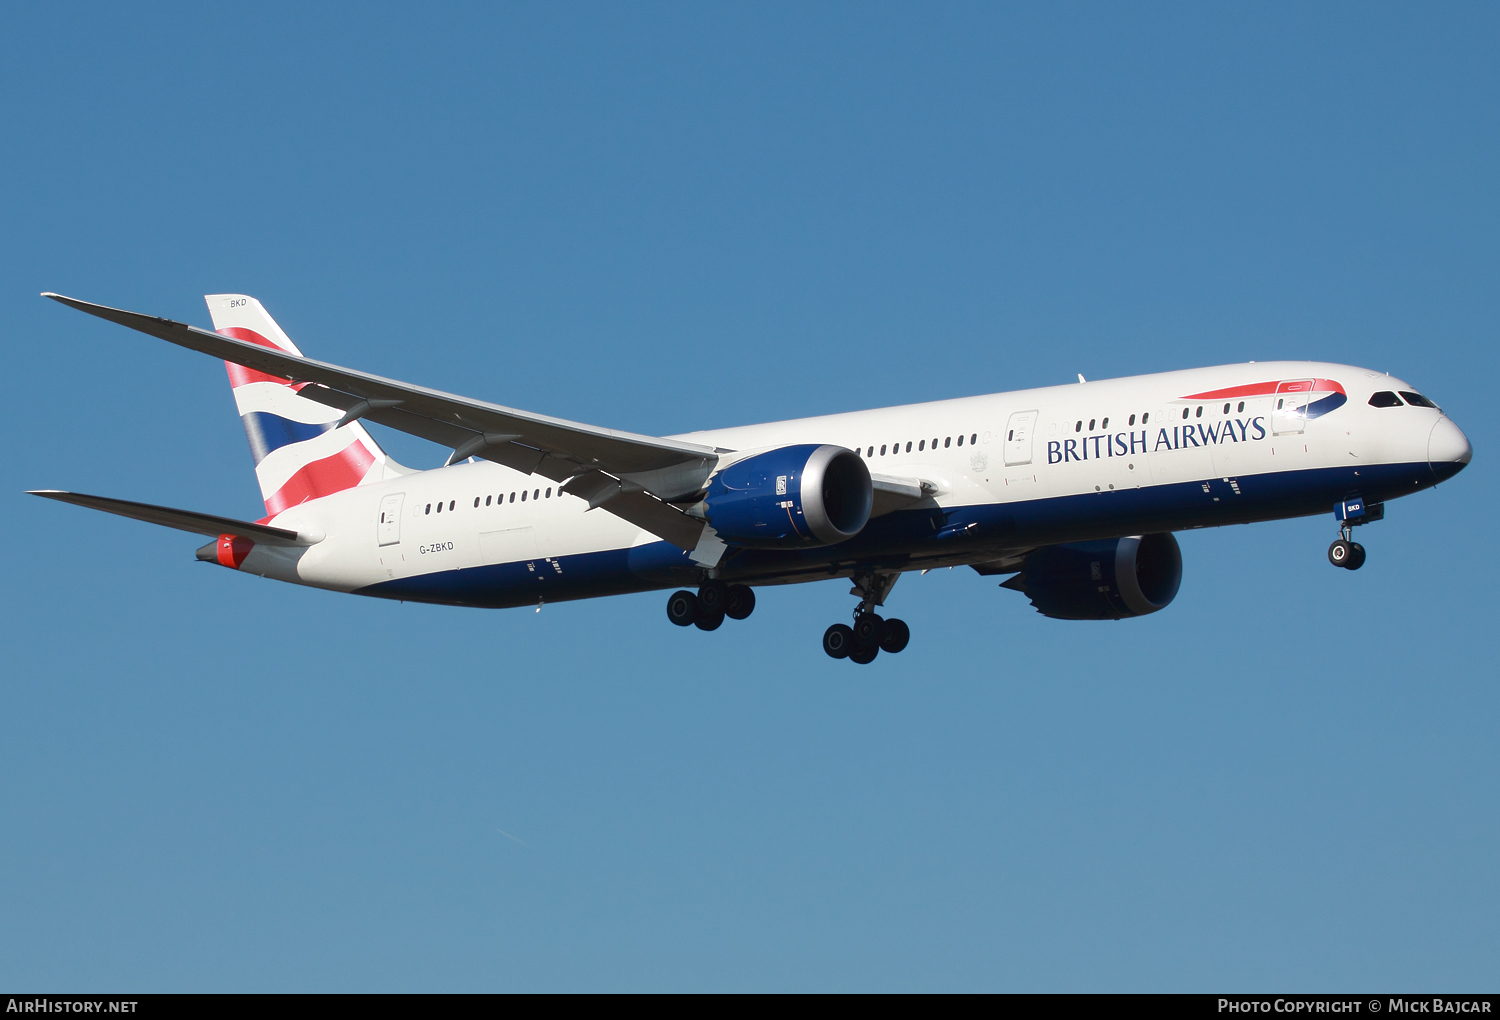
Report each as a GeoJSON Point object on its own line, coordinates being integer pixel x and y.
{"type": "Point", "coordinates": [487, 500]}
{"type": "Point", "coordinates": [934, 442]}
{"type": "Point", "coordinates": [960, 440]}
{"type": "Point", "coordinates": [1010, 435]}
{"type": "Point", "coordinates": [440, 507]}
{"type": "Point", "coordinates": [922, 446]}
{"type": "Point", "coordinates": [450, 503]}
{"type": "Point", "coordinates": [523, 495]}
{"type": "Point", "coordinates": [1242, 407]}
{"type": "Point", "coordinates": [1132, 419]}
{"type": "Point", "coordinates": [476, 500]}
{"type": "Point", "coordinates": [1278, 407]}
{"type": "Point", "coordinates": [947, 442]}
{"type": "Point", "coordinates": [512, 497]}
{"type": "Point", "coordinates": [870, 452]}
{"type": "Point", "coordinates": [1145, 417]}
{"type": "Point", "coordinates": [1104, 424]}
{"type": "Point", "coordinates": [882, 449]}
{"type": "Point", "coordinates": [1226, 408]}
{"type": "Point", "coordinates": [1078, 426]}
{"type": "Point", "coordinates": [1185, 412]}
{"type": "Point", "coordinates": [895, 449]}
{"type": "Point", "coordinates": [974, 439]}
{"type": "Point", "coordinates": [1385, 398]}
{"type": "Point", "coordinates": [908, 447]}
{"type": "Point", "coordinates": [429, 509]}
{"type": "Point", "coordinates": [1417, 400]}
{"type": "Point", "coordinates": [1091, 424]}
{"type": "Point", "coordinates": [1200, 410]}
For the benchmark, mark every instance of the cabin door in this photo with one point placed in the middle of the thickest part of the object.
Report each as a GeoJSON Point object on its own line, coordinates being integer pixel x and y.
{"type": "Point", "coordinates": [388, 531]}
{"type": "Point", "coordinates": [1018, 433]}
{"type": "Point", "coordinates": [1289, 411]}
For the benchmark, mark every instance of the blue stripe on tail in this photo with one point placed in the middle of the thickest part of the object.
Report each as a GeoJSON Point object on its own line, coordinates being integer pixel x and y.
{"type": "Point", "coordinates": [267, 432]}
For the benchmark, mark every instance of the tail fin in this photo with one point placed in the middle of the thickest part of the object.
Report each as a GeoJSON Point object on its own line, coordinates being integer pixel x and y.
{"type": "Point", "coordinates": [299, 453]}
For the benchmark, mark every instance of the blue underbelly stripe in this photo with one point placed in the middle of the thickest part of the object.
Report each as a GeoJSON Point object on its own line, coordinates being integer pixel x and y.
{"type": "Point", "coordinates": [892, 541]}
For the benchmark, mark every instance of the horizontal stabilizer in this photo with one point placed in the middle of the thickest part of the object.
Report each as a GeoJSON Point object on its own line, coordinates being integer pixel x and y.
{"type": "Point", "coordinates": [182, 520]}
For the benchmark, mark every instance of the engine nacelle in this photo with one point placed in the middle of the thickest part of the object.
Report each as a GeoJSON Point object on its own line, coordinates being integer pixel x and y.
{"type": "Point", "coordinates": [1106, 580]}
{"type": "Point", "coordinates": [793, 496]}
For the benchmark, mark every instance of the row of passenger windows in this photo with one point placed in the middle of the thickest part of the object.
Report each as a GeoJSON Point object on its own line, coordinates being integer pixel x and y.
{"type": "Point", "coordinates": [921, 444]}
{"type": "Point", "coordinates": [1385, 398]}
{"type": "Point", "coordinates": [1187, 412]}
{"type": "Point", "coordinates": [1238, 409]}
{"type": "Point", "coordinates": [1104, 424]}
{"type": "Point", "coordinates": [535, 494]}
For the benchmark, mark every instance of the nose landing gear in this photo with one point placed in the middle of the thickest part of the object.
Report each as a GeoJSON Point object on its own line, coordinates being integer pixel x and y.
{"type": "Point", "coordinates": [1347, 554]}
{"type": "Point", "coordinates": [1351, 512]}
{"type": "Point", "coordinates": [871, 634]}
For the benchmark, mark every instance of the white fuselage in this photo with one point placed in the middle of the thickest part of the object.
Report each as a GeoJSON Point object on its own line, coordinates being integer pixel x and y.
{"type": "Point", "coordinates": [1029, 467]}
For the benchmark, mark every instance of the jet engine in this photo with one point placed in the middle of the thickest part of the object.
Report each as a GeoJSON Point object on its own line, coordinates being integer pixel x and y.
{"type": "Point", "coordinates": [1105, 580]}
{"type": "Point", "coordinates": [793, 496]}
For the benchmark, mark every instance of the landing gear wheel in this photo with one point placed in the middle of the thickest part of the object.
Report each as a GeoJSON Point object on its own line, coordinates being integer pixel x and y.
{"type": "Point", "coordinates": [682, 608]}
{"type": "Point", "coordinates": [707, 620]}
{"type": "Point", "coordinates": [1356, 556]}
{"type": "Point", "coordinates": [1340, 553]}
{"type": "Point", "coordinates": [867, 629]}
{"type": "Point", "coordinates": [894, 635]}
{"type": "Point", "coordinates": [711, 597]}
{"type": "Point", "coordinates": [739, 602]}
{"type": "Point", "coordinates": [837, 640]}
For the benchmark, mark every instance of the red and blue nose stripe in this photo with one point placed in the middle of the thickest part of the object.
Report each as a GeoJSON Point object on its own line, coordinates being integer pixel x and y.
{"type": "Point", "coordinates": [1291, 390]}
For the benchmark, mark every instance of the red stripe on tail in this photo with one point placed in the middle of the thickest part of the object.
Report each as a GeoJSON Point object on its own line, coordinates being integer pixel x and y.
{"type": "Point", "coordinates": [344, 470]}
{"type": "Point", "coordinates": [239, 375]}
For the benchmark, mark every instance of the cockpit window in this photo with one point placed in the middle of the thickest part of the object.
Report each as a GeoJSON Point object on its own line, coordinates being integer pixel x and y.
{"type": "Point", "coordinates": [1385, 398]}
{"type": "Point", "coordinates": [1416, 399]}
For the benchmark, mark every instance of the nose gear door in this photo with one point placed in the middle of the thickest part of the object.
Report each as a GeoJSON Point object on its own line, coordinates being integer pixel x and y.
{"type": "Point", "coordinates": [388, 530]}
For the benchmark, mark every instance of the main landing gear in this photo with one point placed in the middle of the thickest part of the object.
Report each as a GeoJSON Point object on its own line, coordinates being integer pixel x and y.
{"type": "Point", "coordinates": [870, 634]}
{"type": "Point", "coordinates": [714, 601]}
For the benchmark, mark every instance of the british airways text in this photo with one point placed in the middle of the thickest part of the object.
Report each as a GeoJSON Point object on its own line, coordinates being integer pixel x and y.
{"type": "Point", "coordinates": [1123, 444]}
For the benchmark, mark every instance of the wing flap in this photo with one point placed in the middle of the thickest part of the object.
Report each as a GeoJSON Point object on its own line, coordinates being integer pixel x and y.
{"type": "Point", "coordinates": [893, 493]}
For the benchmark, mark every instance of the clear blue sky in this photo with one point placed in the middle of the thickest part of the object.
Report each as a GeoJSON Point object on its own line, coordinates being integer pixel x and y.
{"type": "Point", "coordinates": [663, 218]}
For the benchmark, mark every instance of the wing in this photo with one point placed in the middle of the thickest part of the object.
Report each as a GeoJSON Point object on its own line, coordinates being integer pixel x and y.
{"type": "Point", "coordinates": [896, 493]}
{"type": "Point", "coordinates": [182, 520]}
{"type": "Point", "coordinates": [634, 477]}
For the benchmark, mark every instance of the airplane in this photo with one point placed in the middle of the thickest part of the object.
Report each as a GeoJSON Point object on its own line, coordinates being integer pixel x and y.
{"type": "Point", "coordinates": [1073, 492]}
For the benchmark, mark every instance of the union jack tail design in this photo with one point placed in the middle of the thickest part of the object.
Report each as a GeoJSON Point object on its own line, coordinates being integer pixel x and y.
{"type": "Point", "coordinates": [299, 454]}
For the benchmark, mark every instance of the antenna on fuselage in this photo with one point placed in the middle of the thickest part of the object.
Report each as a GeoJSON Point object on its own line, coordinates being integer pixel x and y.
{"type": "Point", "coordinates": [1081, 378]}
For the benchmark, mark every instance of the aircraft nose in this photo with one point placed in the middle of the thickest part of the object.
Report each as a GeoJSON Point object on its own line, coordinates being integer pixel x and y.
{"type": "Point", "coordinates": [1448, 449]}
